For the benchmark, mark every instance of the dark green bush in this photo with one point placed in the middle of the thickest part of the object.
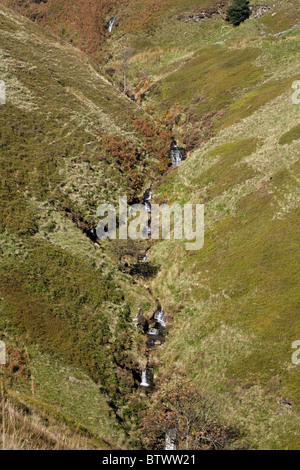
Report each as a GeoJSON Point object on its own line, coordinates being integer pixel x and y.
{"type": "Point", "coordinates": [238, 12]}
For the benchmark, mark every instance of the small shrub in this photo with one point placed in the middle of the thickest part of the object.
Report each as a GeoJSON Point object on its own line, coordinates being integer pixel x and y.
{"type": "Point", "coordinates": [238, 12]}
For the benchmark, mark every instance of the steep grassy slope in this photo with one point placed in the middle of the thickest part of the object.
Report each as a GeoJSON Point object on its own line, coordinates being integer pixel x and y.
{"type": "Point", "coordinates": [234, 304]}
{"type": "Point", "coordinates": [84, 22]}
{"type": "Point", "coordinates": [52, 404]}
{"type": "Point", "coordinates": [183, 71]}
{"type": "Point", "coordinates": [71, 141]}
{"type": "Point", "coordinates": [59, 290]}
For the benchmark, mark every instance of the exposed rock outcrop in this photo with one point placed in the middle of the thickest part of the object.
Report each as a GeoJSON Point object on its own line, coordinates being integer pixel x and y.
{"type": "Point", "coordinates": [257, 11]}
{"type": "Point", "coordinates": [202, 13]}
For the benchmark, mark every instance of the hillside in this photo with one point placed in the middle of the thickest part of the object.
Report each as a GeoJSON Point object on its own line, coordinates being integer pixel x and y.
{"type": "Point", "coordinates": [234, 304]}
{"type": "Point", "coordinates": [60, 291]}
{"type": "Point", "coordinates": [71, 139]}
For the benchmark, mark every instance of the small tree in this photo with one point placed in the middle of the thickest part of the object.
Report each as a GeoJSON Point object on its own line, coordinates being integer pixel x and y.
{"type": "Point", "coordinates": [238, 12]}
{"type": "Point", "coordinates": [188, 413]}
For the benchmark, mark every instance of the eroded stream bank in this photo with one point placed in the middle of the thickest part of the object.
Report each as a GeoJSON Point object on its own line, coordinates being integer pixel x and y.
{"type": "Point", "coordinates": [133, 261]}
{"type": "Point", "coordinates": [155, 328]}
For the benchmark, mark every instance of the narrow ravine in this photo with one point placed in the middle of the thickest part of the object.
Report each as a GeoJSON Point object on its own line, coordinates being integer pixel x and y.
{"type": "Point", "coordinates": [155, 337]}
{"type": "Point", "coordinates": [155, 328]}
{"type": "Point", "coordinates": [155, 331]}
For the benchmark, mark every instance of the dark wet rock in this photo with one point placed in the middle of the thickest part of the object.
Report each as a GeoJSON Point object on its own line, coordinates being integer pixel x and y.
{"type": "Point", "coordinates": [284, 402]}
{"type": "Point", "coordinates": [142, 323]}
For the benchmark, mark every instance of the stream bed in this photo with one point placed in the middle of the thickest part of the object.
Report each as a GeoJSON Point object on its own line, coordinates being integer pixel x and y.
{"type": "Point", "coordinates": [155, 332]}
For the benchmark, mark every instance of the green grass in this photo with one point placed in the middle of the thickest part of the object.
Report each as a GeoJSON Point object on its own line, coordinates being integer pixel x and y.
{"type": "Point", "coordinates": [290, 136]}
{"type": "Point", "coordinates": [286, 17]}
{"type": "Point", "coordinates": [245, 280]}
{"type": "Point", "coordinates": [238, 296]}
{"type": "Point", "coordinates": [213, 74]}
{"type": "Point", "coordinates": [229, 170]}
{"type": "Point", "coordinates": [79, 405]}
{"type": "Point", "coordinates": [58, 291]}
{"type": "Point", "coordinates": [253, 100]}
{"type": "Point", "coordinates": [232, 307]}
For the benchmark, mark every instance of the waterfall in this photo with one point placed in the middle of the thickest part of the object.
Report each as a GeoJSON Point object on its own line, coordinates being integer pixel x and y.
{"type": "Point", "coordinates": [153, 331]}
{"type": "Point", "coordinates": [177, 154]}
{"type": "Point", "coordinates": [160, 318]}
{"type": "Point", "coordinates": [147, 206]}
{"type": "Point", "coordinates": [148, 195]}
{"type": "Point", "coordinates": [144, 382]}
{"type": "Point", "coordinates": [147, 232]}
{"type": "Point", "coordinates": [110, 24]}
{"type": "Point", "coordinates": [155, 335]}
{"type": "Point", "coordinates": [170, 440]}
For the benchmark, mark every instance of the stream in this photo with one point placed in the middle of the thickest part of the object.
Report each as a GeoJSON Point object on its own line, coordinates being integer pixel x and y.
{"type": "Point", "coordinates": [110, 24]}
{"type": "Point", "coordinates": [177, 154]}
{"type": "Point", "coordinates": [156, 327]}
{"type": "Point", "coordinates": [153, 329]}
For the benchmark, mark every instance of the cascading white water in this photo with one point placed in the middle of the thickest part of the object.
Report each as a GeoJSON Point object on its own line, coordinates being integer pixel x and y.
{"type": "Point", "coordinates": [146, 232]}
{"type": "Point", "coordinates": [153, 331]}
{"type": "Point", "coordinates": [170, 438]}
{"type": "Point", "coordinates": [160, 318]}
{"type": "Point", "coordinates": [147, 206]}
{"type": "Point", "coordinates": [148, 195]}
{"type": "Point", "coordinates": [176, 153]}
{"type": "Point", "coordinates": [111, 24]}
{"type": "Point", "coordinates": [144, 382]}
{"type": "Point", "coordinates": [176, 157]}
